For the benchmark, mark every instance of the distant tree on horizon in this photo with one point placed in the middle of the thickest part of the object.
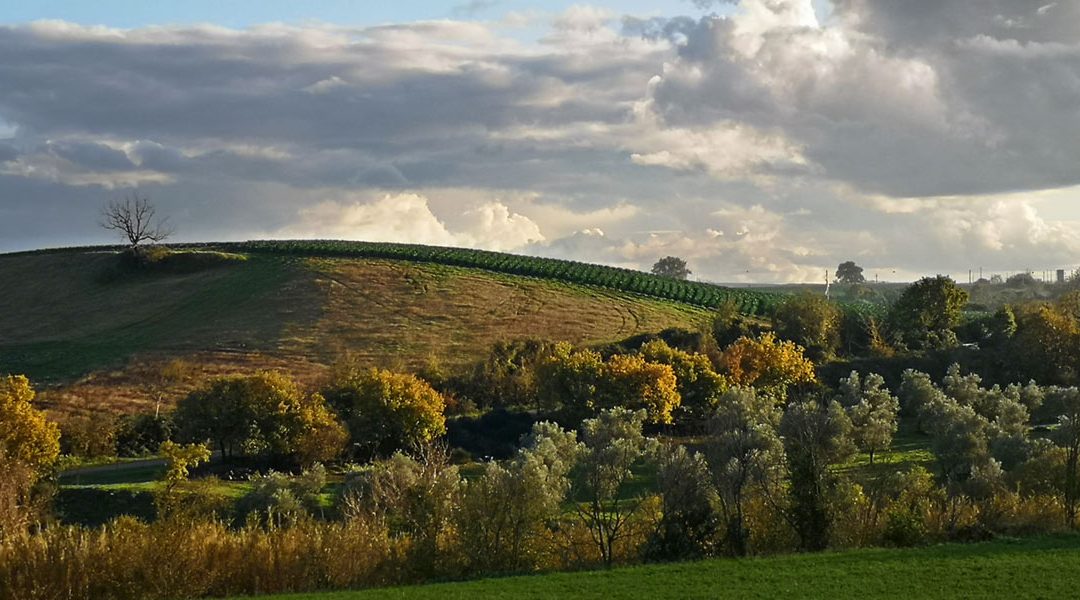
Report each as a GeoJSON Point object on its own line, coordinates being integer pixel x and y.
{"type": "Point", "coordinates": [850, 273]}
{"type": "Point", "coordinates": [671, 266]}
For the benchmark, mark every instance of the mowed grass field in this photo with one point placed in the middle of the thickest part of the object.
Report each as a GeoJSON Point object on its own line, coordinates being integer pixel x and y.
{"type": "Point", "coordinates": [1047, 567]}
{"type": "Point", "coordinates": [93, 338]}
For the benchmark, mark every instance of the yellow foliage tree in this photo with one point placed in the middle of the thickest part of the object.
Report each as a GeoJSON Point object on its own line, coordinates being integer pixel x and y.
{"type": "Point", "coordinates": [632, 382]}
{"type": "Point", "coordinates": [768, 364]}
{"type": "Point", "coordinates": [29, 447]}
{"type": "Point", "coordinates": [26, 436]}
{"type": "Point", "coordinates": [700, 387]}
{"type": "Point", "coordinates": [386, 411]}
{"type": "Point", "coordinates": [581, 382]}
{"type": "Point", "coordinates": [323, 436]}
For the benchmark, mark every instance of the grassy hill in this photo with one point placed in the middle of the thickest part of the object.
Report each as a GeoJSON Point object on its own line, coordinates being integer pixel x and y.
{"type": "Point", "coordinates": [1031, 568]}
{"type": "Point", "coordinates": [92, 330]}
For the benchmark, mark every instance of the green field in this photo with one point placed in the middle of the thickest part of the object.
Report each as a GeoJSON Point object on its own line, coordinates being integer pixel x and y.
{"type": "Point", "coordinates": [1047, 567]}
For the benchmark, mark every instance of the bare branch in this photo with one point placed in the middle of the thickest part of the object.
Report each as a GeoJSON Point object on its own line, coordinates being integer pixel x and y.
{"type": "Point", "coordinates": [133, 217]}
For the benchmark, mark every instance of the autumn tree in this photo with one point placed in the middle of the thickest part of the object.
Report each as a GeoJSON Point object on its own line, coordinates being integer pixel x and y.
{"type": "Point", "coordinates": [1045, 343]}
{"type": "Point", "coordinates": [671, 266]}
{"type": "Point", "coordinates": [265, 414]}
{"type": "Point", "coordinates": [699, 385]}
{"type": "Point", "coordinates": [570, 378]}
{"type": "Point", "coordinates": [386, 411]}
{"type": "Point", "coordinates": [134, 218]}
{"type": "Point", "coordinates": [164, 379]}
{"type": "Point", "coordinates": [811, 321]}
{"type": "Point", "coordinates": [581, 382]}
{"type": "Point", "coordinates": [872, 409]}
{"type": "Point", "coordinates": [849, 273]}
{"type": "Point", "coordinates": [632, 382]}
{"type": "Point", "coordinates": [768, 364]}
{"type": "Point", "coordinates": [29, 447]}
{"type": "Point", "coordinates": [743, 450]}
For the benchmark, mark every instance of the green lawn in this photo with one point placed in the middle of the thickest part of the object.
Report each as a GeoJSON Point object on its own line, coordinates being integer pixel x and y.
{"type": "Point", "coordinates": [1047, 567]}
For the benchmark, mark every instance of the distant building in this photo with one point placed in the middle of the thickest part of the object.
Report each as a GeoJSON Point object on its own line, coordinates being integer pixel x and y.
{"type": "Point", "coordinates": [1061, 275]}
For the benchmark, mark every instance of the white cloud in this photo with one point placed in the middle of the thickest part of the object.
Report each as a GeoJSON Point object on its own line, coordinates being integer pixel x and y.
{"type": "Point", "coordinates": [407, 218]}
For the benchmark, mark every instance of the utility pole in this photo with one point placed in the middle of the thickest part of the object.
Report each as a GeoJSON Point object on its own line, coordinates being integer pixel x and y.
{"type": "Point", "coordinates": [826, 284]}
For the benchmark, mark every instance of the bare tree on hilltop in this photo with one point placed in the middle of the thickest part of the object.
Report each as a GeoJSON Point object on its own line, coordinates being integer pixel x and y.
{"type": "Point", "coordinates": [133, 217]}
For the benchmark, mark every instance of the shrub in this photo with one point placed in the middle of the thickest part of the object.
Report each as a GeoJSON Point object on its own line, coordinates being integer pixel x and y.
{"type": "Point", "coordinates": [142, 434]}
{"type": "Point", "coordinates": [279, 499]}
{"type": "Point", "coordinates": [92, 436]}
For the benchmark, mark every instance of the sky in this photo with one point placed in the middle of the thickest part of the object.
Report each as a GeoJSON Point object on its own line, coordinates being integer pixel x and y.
{"type": "Point", "coordinates": [760, 140]}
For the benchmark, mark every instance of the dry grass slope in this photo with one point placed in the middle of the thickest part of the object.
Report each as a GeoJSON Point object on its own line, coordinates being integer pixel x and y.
{"type": "Point", "coordinates": [93, 338]}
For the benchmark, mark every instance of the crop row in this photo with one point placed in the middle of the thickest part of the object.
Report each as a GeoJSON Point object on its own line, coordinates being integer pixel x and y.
{"type": "Point", "coordinates": [690, 292]}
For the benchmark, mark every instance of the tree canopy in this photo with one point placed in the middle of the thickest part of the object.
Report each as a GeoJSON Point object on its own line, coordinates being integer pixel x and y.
{"type": "Point", "coordinates": [850, 273]}
{"type": "Point", "coordinates": [671, 266]}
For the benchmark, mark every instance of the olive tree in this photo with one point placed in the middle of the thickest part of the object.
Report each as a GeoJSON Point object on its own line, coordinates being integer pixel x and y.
{"type": "Point", "coordinates": [816, 436]}
{"type": "Point", "coordinates": [614, 443]}
{"type": "Point", "coordinates": [1067, 436]}
{"type": "Point", "coordinates": [872, 409]}
{"type": "Point", "coordinates": [506, 510]}
{"type": "Point", "coordinates": [743, 450]}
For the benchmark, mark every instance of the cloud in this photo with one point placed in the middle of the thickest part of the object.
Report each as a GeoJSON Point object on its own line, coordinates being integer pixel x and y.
{"type": "Point", "coordinates": [407, 218]}
{"type": "Point", "coordinates": [764, 142]}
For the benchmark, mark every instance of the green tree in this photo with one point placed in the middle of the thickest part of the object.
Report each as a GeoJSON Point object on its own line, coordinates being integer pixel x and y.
{"type": "Point", "coordinates": [816, 436]}
{"type": "Point", "coordinates": [958, 439]}
{"type": "Point", "coordinates": [505, 512]}
{"type": "Point", "coordinates": [671, 266]}
{"type": "Point", "coordinates": [850, 273]}
{"type": "Point", "coordinates": [743, 450]}
{"type": "Point", "coordinates": [386, 411]}
{"type": "Point", "coordinates": [265, 414]}
{"type": "Point", "coordinates": [688, 523]}
{"type": "Point", "coordinates": [872, 409]}
{"type": "Point", "coordinates": [1067, 435]}
{"type": "Point", "coordinates": [613, 444]}
{"type": "Point", "coordinates": [928, 310]}
{"type": "Point", "coordinates": [811, 321]}
{"type": "Point", "coordinates": [917, 393]}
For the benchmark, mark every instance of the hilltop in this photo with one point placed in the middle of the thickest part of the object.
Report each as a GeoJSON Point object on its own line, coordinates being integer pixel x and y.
{"type": "Point", "coordinates": [89, 328]}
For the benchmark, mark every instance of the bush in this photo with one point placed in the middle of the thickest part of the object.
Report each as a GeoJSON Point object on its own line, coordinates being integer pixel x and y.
{"type": "Point", "coordinates": [142, 434]}
{"type": "Point", "coordinates": [92, 436]}
{"type": "Point", "coordinates": [278, 499]}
